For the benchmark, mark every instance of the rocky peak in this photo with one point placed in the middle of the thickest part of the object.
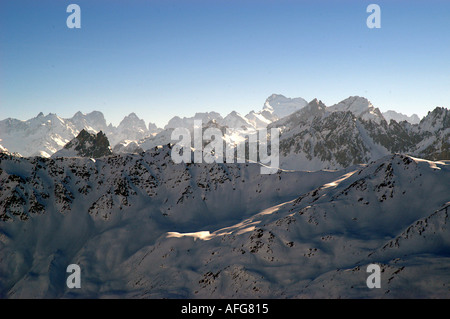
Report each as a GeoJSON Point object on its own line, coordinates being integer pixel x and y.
{"type": "Point", "coordinates": [360, 107]}
{"type": "Point", "coordinates": [86, 145]}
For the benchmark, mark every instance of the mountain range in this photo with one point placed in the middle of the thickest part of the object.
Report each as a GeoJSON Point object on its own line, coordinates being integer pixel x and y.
{"type": "Point", "coordinates": [44, 135]}
{"type": "Point", "coordinates": [313, 136]}
{"type": "Point", "coordinates": [355, 187]}
{"type": "Point", "coordinates": [353, 132]}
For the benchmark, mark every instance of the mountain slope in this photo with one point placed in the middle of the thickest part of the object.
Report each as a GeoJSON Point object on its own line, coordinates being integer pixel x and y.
{"type": "Point", "coordinates": [141, 226]}
{"type": "Point", "coordinates": [318, 245]}
{"type": "Point", "coordinates": [354, 132]}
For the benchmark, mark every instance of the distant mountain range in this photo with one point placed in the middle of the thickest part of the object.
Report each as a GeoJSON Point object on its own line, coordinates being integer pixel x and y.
{"type": "Point", "coordinates": [43, 135]}
{"type": "Point", "coordinates": [313, 136]}
{"type": "Point", "coordinates": [399, 117]}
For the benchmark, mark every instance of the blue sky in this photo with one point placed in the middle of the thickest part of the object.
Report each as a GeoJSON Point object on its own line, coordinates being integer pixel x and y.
{"type": "Point", "coordinates": [165, 58]}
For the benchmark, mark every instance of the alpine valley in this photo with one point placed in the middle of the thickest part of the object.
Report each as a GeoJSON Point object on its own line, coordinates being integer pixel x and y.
{"type": "Point", "coordinates": [355, 187]}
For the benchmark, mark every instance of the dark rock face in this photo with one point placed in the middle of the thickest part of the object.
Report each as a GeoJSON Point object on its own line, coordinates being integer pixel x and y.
{"type": "Point", "coordinates": [90, 145]}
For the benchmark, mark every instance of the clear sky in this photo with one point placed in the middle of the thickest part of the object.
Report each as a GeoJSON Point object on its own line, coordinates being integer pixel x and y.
{"type": "Point", "coordinates": [177, 57]}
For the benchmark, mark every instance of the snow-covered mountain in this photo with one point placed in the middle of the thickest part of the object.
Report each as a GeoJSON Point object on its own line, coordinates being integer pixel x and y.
{"type": "Point", "coordinates": [283, 106]}
{"type": "Point", "coordinates": [236, 121]}
{"type": "Point", "coordinates": [234, 126]}
{"type": "Point", "coordinates": [435, 127]}
{"type": "Point", "coordinates": [130, 128]}
{"type": "Point", "coordinates": [359, 107]}
{"type": "Point", "coordinates": [43, 135]}
{"type": "Point", "coordinates": [319, 137]}
{"type": "Point", "coordinates": [260, 120]}
{"type": "Point", "coordinates": [314, 136]}
{"type": "Point", "coordinates": [140, 226]}
{"type": "Point", "coordinates": [92, 122]}
{"type": "Point", "coordinates": [266, 116]}
{"type": "Point", "coordinates": [399, 117]}
{"type": "Point", "coordinates": [354, 131]}
{"type": "Point", "coordinates": [188, 122]}
{"type": "Point", "coordinates": [275, 107]}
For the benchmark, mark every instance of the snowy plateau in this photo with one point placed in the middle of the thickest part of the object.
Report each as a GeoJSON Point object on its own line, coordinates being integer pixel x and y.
{"type": "Point", "coordinates": [355, 187]}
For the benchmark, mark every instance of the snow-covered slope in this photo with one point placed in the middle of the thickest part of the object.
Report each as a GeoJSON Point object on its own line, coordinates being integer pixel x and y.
{"type": "Point", "coordinates": [140, 226]}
